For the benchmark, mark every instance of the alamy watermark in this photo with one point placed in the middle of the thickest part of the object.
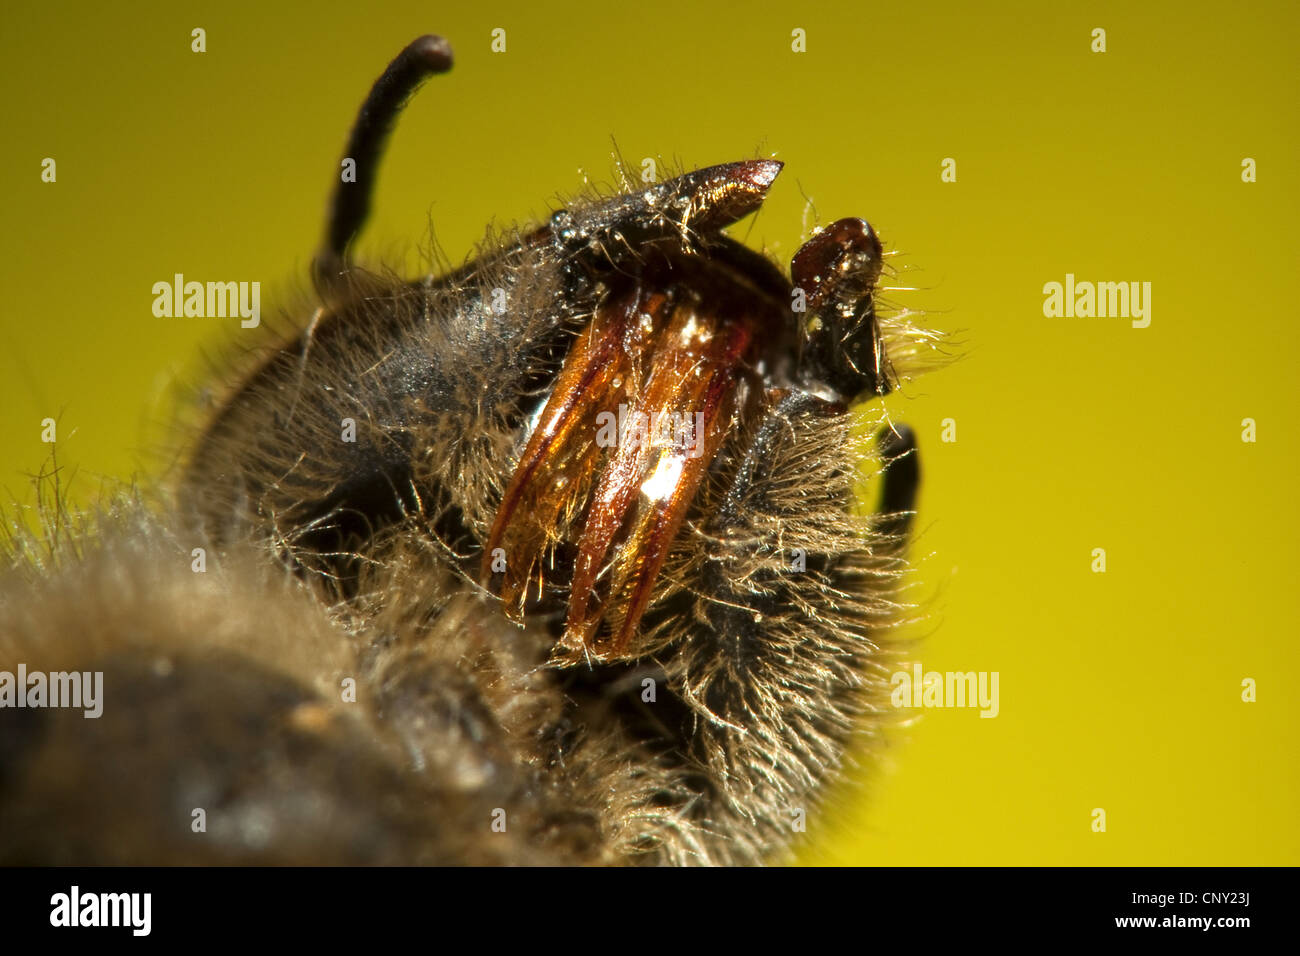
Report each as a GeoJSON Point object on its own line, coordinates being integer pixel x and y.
{"type": "Point", "coordinates": [210, 300]}
{"type": "Point", "coordinates": [83, 689]}
{"type": "Point", "coordinates": [1128, 300]}
{"type": "Point", "coordinates": [921, 688]}
{"type": "Point", "coordinates": [75, 908]}
{"type": "Point", "coordinates": [680, 430]}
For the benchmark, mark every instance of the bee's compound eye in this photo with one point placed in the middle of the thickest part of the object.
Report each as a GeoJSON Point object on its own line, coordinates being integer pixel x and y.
{"type": "Point", "coordinates": [837, 271]}
{"type": "Point", "coordinates": [847, 246]}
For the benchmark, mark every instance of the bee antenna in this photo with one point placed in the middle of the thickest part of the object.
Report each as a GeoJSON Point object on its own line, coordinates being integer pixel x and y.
{"type": "Point", "coordinates": [350, 203]}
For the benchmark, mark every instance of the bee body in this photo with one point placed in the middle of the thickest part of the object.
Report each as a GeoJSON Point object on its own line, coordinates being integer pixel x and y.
{"type": "Point", "coordinates": [555, 559]}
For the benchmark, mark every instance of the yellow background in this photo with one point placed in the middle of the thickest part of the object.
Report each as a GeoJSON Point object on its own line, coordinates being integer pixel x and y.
{"type": "Point", "coordinates": [1118, 690]}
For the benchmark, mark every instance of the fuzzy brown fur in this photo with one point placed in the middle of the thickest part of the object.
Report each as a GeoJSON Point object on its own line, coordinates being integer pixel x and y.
{"type": "Point", "coordinates": [458, 712]}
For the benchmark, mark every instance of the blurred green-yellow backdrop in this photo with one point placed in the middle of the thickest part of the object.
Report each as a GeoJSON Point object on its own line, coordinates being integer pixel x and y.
{"type": "Point", "coordinates": [1119, 690]}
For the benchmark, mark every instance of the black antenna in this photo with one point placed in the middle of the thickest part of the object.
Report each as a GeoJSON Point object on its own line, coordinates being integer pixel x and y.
{"type": "Point", "coordinates": [350, 204]}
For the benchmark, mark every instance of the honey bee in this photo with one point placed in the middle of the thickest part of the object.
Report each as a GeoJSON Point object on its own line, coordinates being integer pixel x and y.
{"type": "Point", "coordinates": [552, 559]}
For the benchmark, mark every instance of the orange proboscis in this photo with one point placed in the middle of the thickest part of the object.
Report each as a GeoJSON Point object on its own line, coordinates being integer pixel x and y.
{"type": "Point", "coordinates": [661, 477]}
{"type": "Point", "coordinates": [672, 362]}
{"type": "Point", "coordinates": [560, 454]}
